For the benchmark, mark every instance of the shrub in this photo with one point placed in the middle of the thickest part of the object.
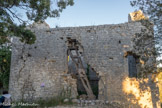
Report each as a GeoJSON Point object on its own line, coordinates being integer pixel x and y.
{"type": "Point", "coordinates": [5, 60]}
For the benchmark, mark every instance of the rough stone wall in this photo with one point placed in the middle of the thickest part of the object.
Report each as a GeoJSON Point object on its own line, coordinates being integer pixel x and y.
{"type": "Point", "coordinates": [40, 70]}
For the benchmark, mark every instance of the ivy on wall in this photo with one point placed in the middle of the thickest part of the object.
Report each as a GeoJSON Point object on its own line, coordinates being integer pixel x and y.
{"type": "Point", "coordinates": [5, 60]}
{"type": "Point", "coordinates": [144, 47]}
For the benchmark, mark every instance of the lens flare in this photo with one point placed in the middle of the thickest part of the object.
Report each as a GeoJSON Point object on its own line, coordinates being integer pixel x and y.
{"type": "Point", "coordinates": [131, 86]}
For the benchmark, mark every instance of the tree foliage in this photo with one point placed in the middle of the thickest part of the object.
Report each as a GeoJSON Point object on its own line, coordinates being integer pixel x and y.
{"type": "Point", "coordinates": [153, 8]}
{"type": "Point", "coordinates": [5, 59]}
{"type": "Point", "coordinates": [35, 10]}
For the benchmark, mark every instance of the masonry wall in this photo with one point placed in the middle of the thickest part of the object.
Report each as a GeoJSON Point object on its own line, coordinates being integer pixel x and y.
{"type": "Point", "coordinates": [40, 70]}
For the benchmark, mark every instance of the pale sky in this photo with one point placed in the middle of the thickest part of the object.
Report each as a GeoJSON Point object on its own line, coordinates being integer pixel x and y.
{"type": "Point", "coordinates": [93, 12]}
{"type": "Point", "coordinates": [90, 12]}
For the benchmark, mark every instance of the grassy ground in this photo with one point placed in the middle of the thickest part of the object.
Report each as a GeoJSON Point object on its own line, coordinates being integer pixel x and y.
{"type": "Point", "coordinates": [46, 103]}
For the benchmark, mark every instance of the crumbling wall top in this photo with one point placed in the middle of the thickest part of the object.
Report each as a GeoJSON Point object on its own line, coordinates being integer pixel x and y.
{"type": "Point", "coordinates": [39, 25]}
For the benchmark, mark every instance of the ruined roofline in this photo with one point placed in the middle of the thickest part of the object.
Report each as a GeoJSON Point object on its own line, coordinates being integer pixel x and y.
{"type": "Point", "coordinates": [82, 27]}
{"type": "Point", "coordinates": [134, 17]}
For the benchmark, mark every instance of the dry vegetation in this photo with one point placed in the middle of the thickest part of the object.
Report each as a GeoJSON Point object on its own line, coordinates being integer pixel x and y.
{"type": "Point", "coordinates": [160, 82]}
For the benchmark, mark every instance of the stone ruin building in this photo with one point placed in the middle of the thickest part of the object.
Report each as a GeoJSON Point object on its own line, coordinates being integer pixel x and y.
{"type": "Point", "coordinates": [110, 57]}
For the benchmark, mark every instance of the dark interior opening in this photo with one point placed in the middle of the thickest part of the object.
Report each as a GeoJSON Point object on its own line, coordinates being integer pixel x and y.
{"type": "Point", "coordinates": [132, 68]}
{"type": "Point", "coordinates": [91, 74]}
{"type": "Point", "coordinates": [119, 42]}
{"type": "Point", "coordinates": [133, 61]}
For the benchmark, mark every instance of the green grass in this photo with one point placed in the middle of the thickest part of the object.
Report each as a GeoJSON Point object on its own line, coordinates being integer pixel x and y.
{"type": "Point", "coordinates": [24, 107]}
{"type": "Point", "coordinates": [55, 101]}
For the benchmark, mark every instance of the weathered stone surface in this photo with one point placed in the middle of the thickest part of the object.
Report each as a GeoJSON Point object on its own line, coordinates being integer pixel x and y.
{"type": "Point", "coordinates": [75, 101]}
{"type": "Point", "coordinates": [66, 100]}
{"type": "Point", "coordinates": [40, 70]}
